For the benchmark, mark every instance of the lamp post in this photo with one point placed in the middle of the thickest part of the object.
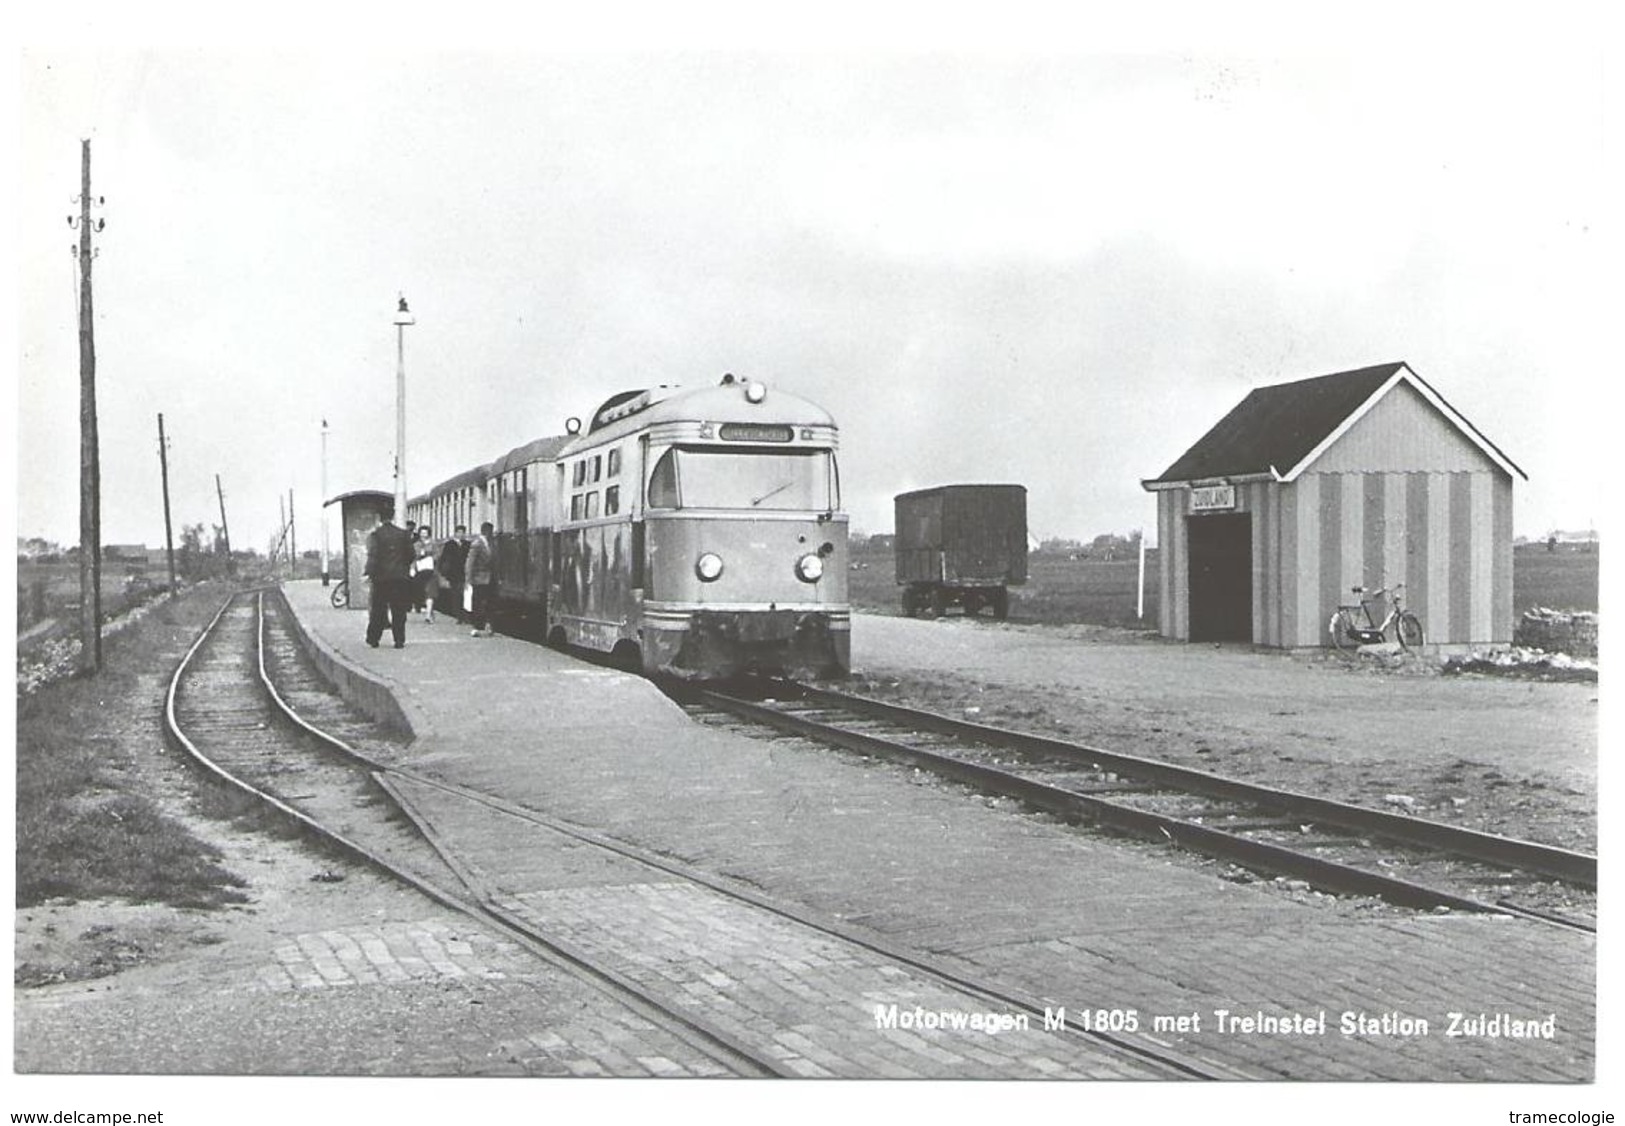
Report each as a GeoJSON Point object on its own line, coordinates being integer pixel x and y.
{"type": "Point", "coordinates": [403, 317]}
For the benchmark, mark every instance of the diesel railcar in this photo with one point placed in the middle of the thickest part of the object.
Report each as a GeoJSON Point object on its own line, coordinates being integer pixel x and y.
{"type": "Point", "coordinates": [695, 533]}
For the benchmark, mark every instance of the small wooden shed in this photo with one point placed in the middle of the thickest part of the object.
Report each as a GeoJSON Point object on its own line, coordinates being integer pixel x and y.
{"type": "Point", "coordinates": [1308, 489]}
{"type": "Point", "coordinates": [359, 513]}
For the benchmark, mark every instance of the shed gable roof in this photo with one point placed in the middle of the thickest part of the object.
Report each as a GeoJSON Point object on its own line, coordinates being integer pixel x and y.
{"type": "Point", "coordinates": [1279, 431]}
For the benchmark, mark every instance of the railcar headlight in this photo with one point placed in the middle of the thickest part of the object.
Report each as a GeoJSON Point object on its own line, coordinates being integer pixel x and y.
{"type": "Point", "coordinates": [810, 568]}
{"type": "Point", "coordinates": [708, 567]}
{"type": "Point", "coordinates": [755, 392]}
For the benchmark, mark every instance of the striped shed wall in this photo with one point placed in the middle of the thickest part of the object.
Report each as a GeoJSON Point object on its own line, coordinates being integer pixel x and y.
{"type": "Point", "coordinates": [1400, 494]}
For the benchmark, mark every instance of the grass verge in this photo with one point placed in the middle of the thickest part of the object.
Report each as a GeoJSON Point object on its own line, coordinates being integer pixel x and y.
{"type": "Point", "coordinates": [87, 824]}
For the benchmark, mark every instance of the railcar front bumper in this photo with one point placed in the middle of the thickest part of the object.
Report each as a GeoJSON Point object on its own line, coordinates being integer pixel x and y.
{"type": "Point", "coordinates": [802, 644]}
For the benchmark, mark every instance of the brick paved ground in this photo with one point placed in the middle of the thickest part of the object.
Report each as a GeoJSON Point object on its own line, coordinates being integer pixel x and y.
{"type": "Point", "coordinates": [1086, 922]}
{"type": "Point", "coordinates": [391, 985]}
{"type": "Point", "coordinates": [790, 992]}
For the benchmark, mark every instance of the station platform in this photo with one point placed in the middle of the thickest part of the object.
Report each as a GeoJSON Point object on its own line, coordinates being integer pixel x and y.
{"type": "Point", "coordinates": [1092, 924]}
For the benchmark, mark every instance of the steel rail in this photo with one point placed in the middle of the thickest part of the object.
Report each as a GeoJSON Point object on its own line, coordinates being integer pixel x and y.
{"type": "Point", "coordinates": [719, 1045]}
{"type": "Point", "coordinates": [1548, 860]}
{"type": "Point", "coordinates": [1071, 804]}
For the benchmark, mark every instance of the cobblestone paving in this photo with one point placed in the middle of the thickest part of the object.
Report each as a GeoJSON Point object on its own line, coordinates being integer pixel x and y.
{"type": "Point", "coordinates": [817, 1004]}
{"type": "Point", "coordinates": [1420, 969]}
{"type": "Point", "coordinates": [395, 953]}
{"type": "Point", "coordinates": [821, 1006]}
{"type": "Point", "coordinates": [353, 1001]}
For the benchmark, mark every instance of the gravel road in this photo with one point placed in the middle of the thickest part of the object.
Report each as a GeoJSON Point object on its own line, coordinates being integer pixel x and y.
{"type": "Point", "coordinates": [1508, 755]}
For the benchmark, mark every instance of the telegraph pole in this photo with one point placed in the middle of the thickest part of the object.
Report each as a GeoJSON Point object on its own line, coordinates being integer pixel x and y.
{"type": "Point", "coordinates": [225, 529]}
{"type": "Point", "coordinates": [169, 538]}
{"type": "Point", "coordinates": [90, 512]}
{"type": "Point", "coordinates": [293, 542]}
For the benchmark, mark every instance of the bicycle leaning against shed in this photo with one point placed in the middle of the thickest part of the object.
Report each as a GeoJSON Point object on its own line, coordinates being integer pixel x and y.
{"type": "Point", "coordinates": [1353, 626]}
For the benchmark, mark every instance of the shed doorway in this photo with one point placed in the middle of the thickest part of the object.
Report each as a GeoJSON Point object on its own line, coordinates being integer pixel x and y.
{"type": "Point", "coordinates": [1221, 576]}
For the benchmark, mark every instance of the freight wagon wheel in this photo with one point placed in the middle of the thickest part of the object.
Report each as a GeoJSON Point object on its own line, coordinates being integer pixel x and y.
{"type": "Point", "coordinates": [939, 604]}
{"type": "Point", "coordinates": [973, 604]}
{"type": "Point", "coordinates": [1409, 628]}
{"type": "Point", "coordinates": [1001, 604]}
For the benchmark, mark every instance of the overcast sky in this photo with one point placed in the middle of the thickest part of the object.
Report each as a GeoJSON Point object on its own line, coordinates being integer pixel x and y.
{"type": "Point", "coordinates": [1048, 268]}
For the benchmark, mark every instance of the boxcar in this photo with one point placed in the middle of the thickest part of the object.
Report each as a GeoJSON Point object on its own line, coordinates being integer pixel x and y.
{"type": "Point", "coordinates": [961, 545]}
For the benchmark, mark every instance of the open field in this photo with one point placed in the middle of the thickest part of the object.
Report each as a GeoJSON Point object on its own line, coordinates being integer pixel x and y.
{"type": "Point", "coordinates": [1059, 591]}
{"type": "Point", "coordinates": [1562, 580]}
{"type": "Point", "coordinates": [1062, 591]}
{"type": "Point", "coordinates": [51, 590]}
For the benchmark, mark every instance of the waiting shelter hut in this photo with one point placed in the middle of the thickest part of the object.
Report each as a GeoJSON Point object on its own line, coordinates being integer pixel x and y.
{"type": "Point", "coordinates": [360, 512]}
{"type": "Point", "coordinates": [1308, 489]}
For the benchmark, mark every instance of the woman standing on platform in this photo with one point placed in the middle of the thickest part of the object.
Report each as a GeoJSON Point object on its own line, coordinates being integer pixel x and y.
{"type": "Point", "coordinates": [480, 573]}
{"type": "Point", "coordinates": [425, 582]}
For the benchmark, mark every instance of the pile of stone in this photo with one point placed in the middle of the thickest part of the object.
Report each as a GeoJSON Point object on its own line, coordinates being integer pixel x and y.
{"type": "Point", "coordinates": [1558, 631]}
{"type": "Point", "coordinates": [1536, 664]}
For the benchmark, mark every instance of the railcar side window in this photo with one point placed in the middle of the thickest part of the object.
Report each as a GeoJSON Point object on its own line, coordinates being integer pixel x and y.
{"type": "Point", "coordinates": [663, 482]}
{"type": "Point", "coordinates": [580, 473]}
{"type": "Point", "coordinates": [612, 500]}
{"type": "Point", "coordinates": [614, 469]}
{"type": "Point", "coordinates": [592, 507]}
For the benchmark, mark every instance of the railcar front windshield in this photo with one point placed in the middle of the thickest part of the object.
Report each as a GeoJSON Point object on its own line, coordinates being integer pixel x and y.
{"type": "Point", "coordinates": [755, 480]}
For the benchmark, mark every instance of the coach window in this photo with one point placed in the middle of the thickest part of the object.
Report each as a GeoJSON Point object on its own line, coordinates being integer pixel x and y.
{"type": "Point", "coordinates": [580, 474]}
{"type": "Point", "coordinates": [592, 507]}
{"type": "Point", "coordinates": [597, 467]}
{"type": "Point", "coordinates": [575, 507]}
{"type": "Point", "coordinates": [614, 469]}
{"type": "Point", "coordinates": [612, 500]}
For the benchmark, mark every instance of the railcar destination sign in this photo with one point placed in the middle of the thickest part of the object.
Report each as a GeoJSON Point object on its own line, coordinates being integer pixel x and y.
{"type": "Point", "coordinates": [755, 432]}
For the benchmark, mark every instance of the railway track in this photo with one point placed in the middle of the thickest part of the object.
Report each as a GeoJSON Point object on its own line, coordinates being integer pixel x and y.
{"type": "Point", "coordinates": [249, 708]}
{"type": "Point", "coordinates": [1332, 846]}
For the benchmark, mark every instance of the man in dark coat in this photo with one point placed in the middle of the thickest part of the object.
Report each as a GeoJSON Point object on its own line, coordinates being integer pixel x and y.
{"type": "Point", "coordinates": [451, 572]}
{"type": "Point", "coordinates": [389, 566]}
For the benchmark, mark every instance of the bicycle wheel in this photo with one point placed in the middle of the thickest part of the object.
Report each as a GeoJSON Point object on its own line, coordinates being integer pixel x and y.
{"type": "Point", "coordinates": [1409, 629]}
{"type": "Point", "coordinates": [341, 595]}
{"type": "Point", "coordinates": [1341, 628]}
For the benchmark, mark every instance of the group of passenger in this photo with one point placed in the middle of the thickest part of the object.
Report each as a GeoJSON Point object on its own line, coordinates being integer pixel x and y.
{"type": "Point", "coordinates": [407, 576]}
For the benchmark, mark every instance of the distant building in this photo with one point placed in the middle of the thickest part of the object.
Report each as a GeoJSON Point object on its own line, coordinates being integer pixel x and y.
{"type": "Point", "coordinates": [1308, 489]}
{"type": "Point", "coordinates": [1589, 536]}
